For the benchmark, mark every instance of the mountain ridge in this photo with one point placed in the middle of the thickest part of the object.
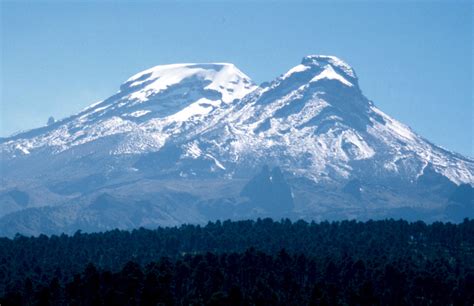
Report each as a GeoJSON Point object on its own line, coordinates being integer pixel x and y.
{"type": "Point", "coordinates": [170, 126]}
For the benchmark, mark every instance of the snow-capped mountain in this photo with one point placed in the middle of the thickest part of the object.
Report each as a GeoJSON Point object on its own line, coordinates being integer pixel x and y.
{"type": "Point", "coordinates": [178, 128]}
{"type": "Point", "coordinates": [149, 107]}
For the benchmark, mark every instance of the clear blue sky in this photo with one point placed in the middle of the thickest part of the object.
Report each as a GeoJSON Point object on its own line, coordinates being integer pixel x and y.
{"type": "Point", "coordinates": [414, 59]}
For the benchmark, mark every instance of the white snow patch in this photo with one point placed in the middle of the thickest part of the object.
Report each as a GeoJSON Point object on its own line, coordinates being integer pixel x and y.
{"type": "Point", "coordinates": [341, 64]}
{"type": "Point", "coordinates": [296, 69]}
{"type": "Point", "coordinates": [364, 151]}
{"type": "Point", "coordinates": [231, 82]}
{"type": "Point", "coordinates": [329, 73]}
{"type": "Point", "coordinates": [336, 62]}
{"type": "Point", "coordinates": [401, 129]}
{"type": "Point", "coordinates": [100, 109]}
{"type": "Point", "coordinates": [195, 109]}
{"type": "Point", "coordinates": [22, 149]}
{"type": "Point", "coordinates": [193, 150]}
{"type": "Point", "coordinates": [218, 164]}
{"type": "Point", "coordinates": [422, 171]}
{"type": "Point", "coordinates": [139, 113]}
{"type": "Point", "coordinates": [139, 142]}
{"type": "Point", "coordinates": [225, 78]}
{"type": "Point", "coordinates": [395, 126]}
{"type": "Point", "coordinates": [92, 105]}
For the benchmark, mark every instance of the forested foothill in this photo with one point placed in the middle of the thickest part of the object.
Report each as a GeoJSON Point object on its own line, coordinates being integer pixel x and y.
{"type": "Point", "coordinates": [260, 262]}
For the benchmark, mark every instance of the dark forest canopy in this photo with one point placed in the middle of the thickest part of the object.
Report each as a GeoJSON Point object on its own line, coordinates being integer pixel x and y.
{"type": "Point", "coordinates": [247, 262]}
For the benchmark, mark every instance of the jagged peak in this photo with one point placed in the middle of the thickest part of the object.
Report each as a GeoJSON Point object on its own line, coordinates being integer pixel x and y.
{"type": "Point", "coordinates": [335, 62]}
{"type": "Point", "coordinates": [315, 68]}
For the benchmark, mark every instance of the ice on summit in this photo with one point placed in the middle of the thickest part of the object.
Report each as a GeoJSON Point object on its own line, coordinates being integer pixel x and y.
{"type": "Point", "coordinates": [222, 77]}
{"type": "Point", "coordinates": [334, 61]}
{"type": "Point", "coordinates": [323, 67]}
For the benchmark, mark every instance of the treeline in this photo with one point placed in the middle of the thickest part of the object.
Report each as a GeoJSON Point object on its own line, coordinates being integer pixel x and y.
{"type": "Point", "coordinates": [256, 278]}
{"type": "Point", "coordinates": [246, 262]}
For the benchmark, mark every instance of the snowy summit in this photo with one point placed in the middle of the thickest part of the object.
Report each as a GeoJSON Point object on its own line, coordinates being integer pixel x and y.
{"type": "Point", "coordinates": [196, 123]}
